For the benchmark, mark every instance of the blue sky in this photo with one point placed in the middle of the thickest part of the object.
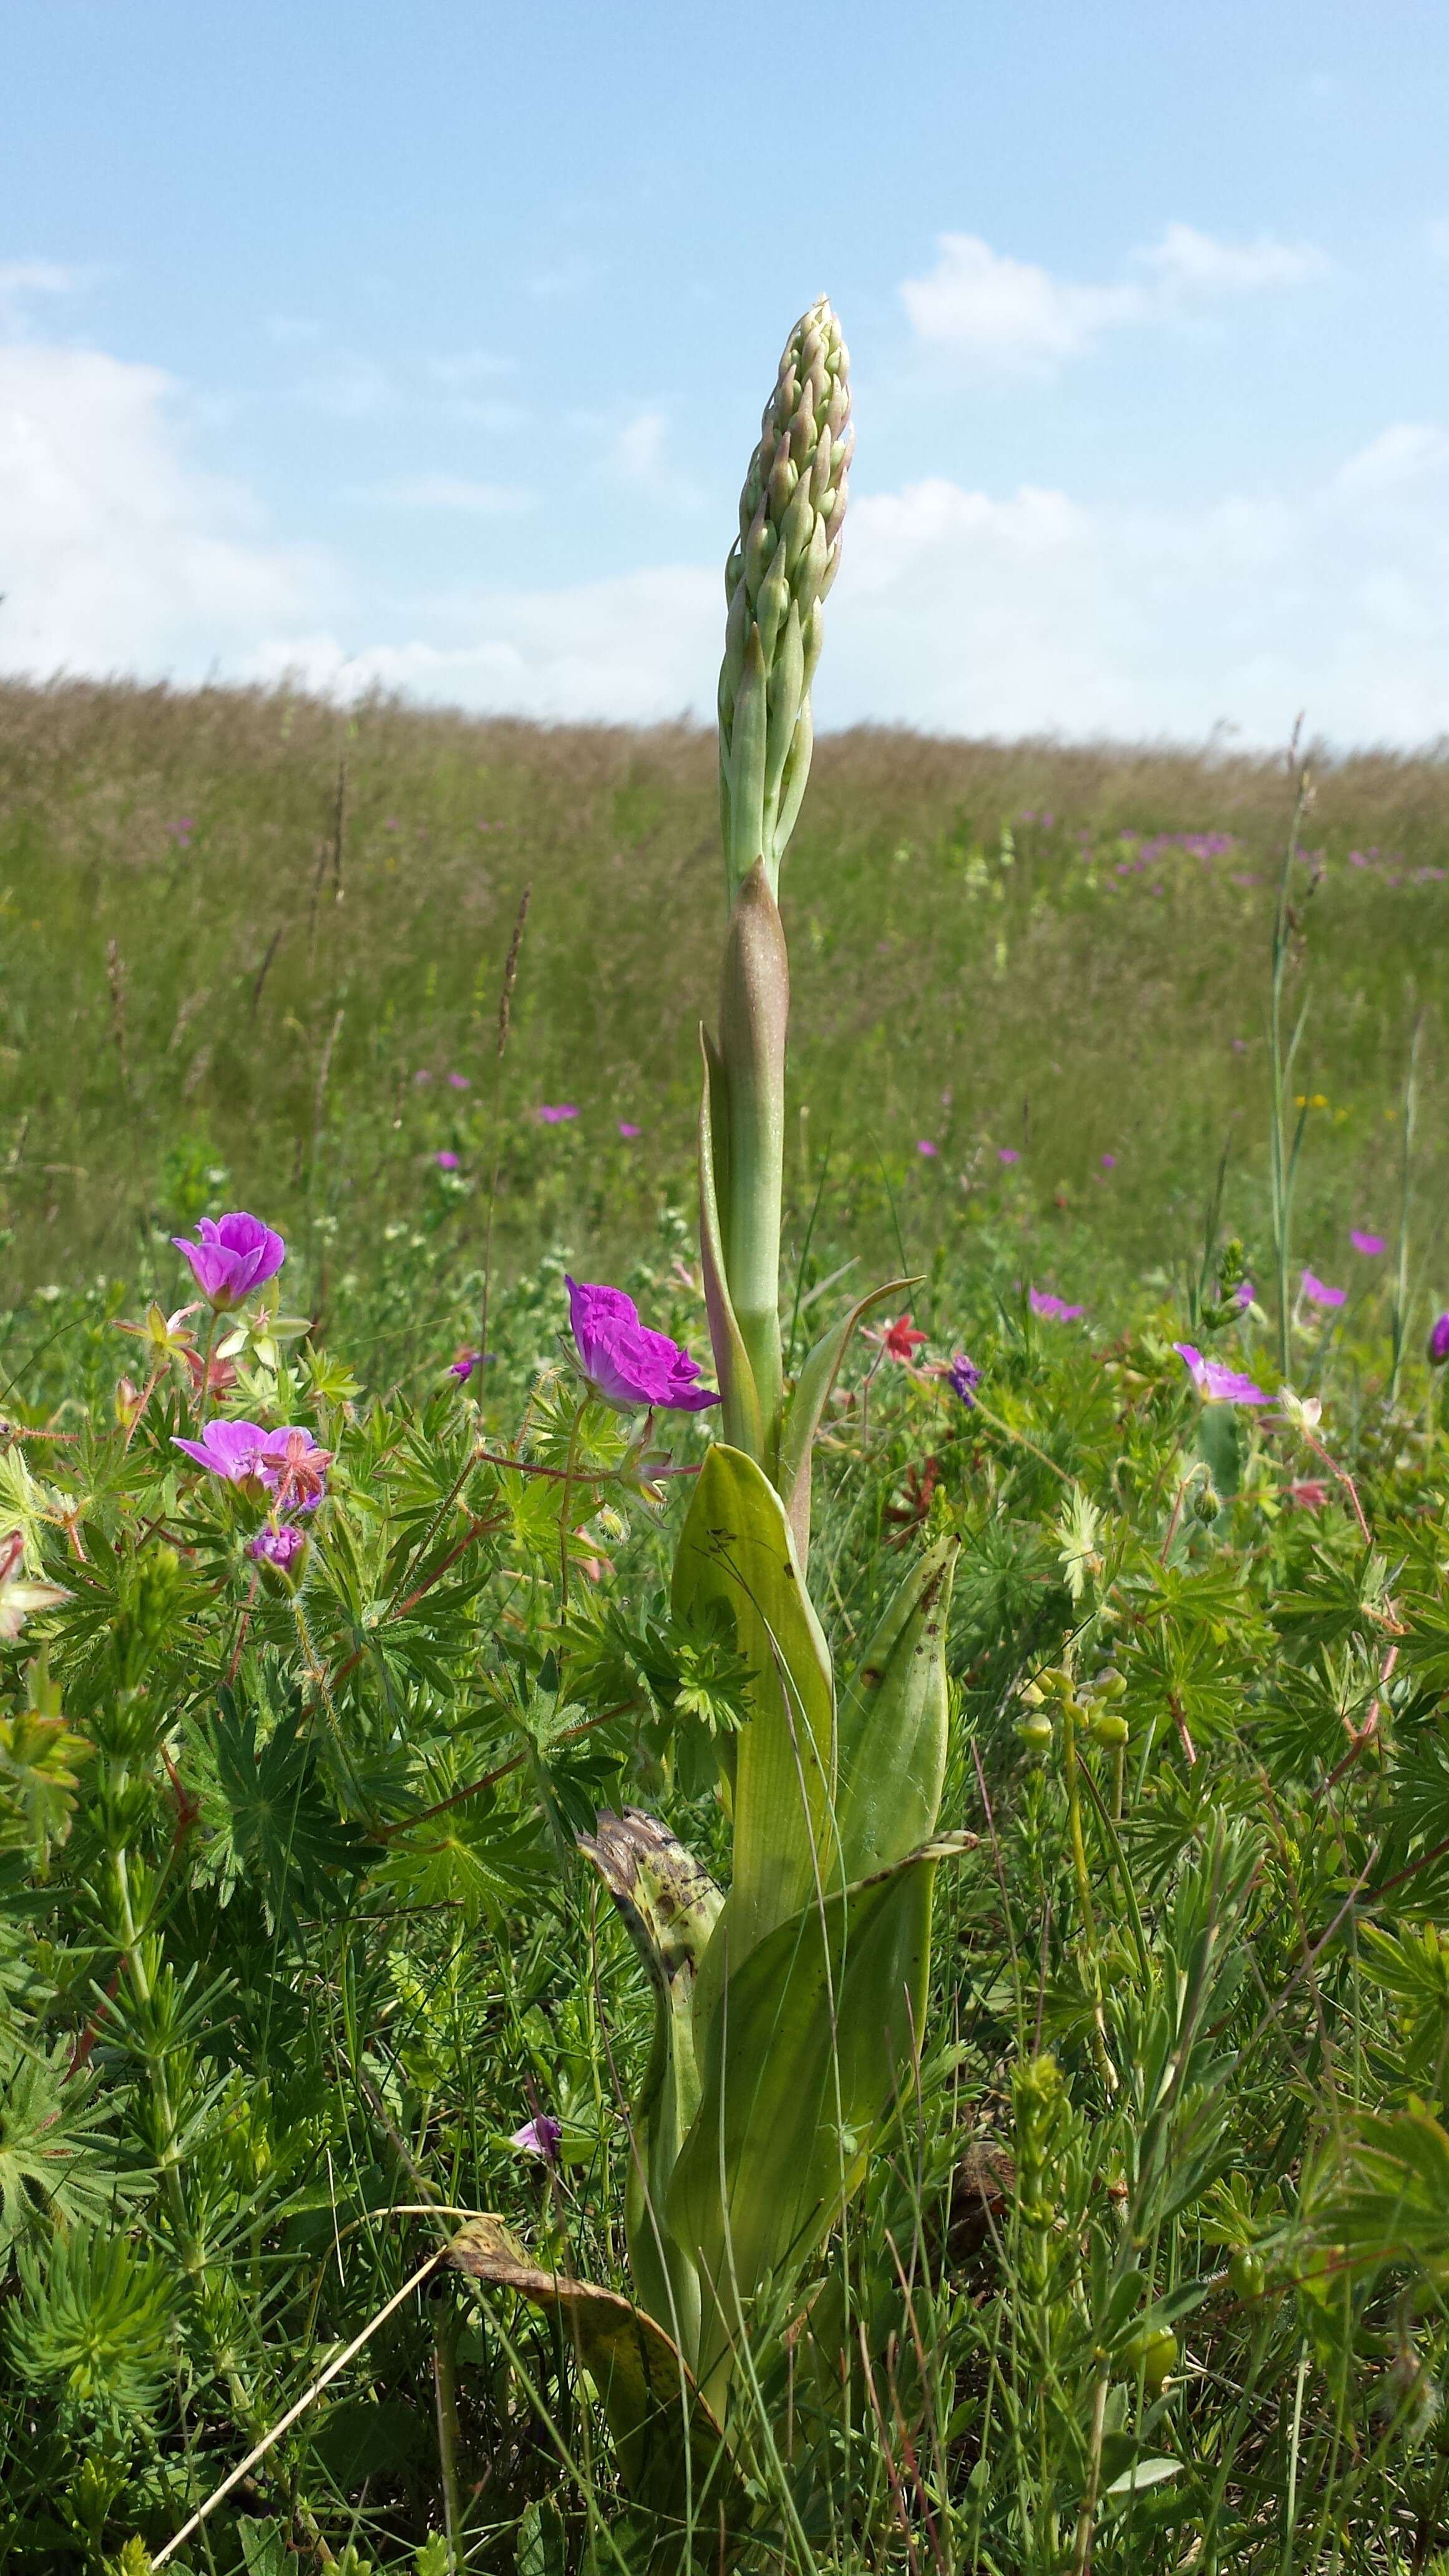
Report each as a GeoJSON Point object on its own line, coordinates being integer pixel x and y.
{"type": "Point", "coordinates": [426, 343]}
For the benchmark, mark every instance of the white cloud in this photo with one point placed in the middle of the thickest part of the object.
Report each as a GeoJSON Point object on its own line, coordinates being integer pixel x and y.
{"type": "Point", "coordinates": [1008, 315]}
{"type": "Point", "coordinates": [1006, 311]}
{"type": "Point", "coordinates": [347, 388]}
{"type": "Point", "coordinates": [961, 611]}
{"type": "Point", "coordinates": [1187, 262]}
{"type": "Point", "coordinates": [21, 280]}
{"type": "Point", "coordinates": [447, 492]}
{"type": "Point", "coordinates": [639, 450]}
{"type": "Point", "coordinates": [622, 652]}
{"type": "Point", "coordinates": [117, 554]}
{"type": "Point", "coordinates": [956, 610]}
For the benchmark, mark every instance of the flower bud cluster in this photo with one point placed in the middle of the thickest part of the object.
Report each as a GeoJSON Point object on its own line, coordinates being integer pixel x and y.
{"type": "Point", "coordinates": [1090, 1705]}
{"type": "Point", "coordinates": [780, 567]}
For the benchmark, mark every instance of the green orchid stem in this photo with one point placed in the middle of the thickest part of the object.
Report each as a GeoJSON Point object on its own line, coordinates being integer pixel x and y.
{"type": "Point", "coordinates": [754, 1014]}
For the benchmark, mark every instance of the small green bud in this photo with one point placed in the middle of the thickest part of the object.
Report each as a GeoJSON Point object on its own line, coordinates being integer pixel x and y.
{"type": "Point", "coordinates": [1109, 1728]}
{"type": "Point", "coordinates": [1035, 1731]}
{"type": "Point", "coordinates": [1152, 2352]}
{"type": "Point", "coordinates": [1248, 2273]}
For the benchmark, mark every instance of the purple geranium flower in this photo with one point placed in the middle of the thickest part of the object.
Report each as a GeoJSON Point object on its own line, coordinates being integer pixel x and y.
{"type": "Point", "coordinates": [461, 1081]}
{"type": "Point", "coordinates": [446, 1161]}
{"type": "Point", "coordinates": [235, 1451]}
{"type": "Point", "coordinates": [1439, 1342]}
{"type": "Point", "coordinates": [1109, 1162]}
{"type": "Point", "coordinates": [1370, 1245]}
{"type": "Point", "coordinates": [626, 1363]}
{"type": "Point", "coordinates": [540, 2136]}
{"type": "Point", "coordinates": [235, 1254]}
{"type": "Point", "coordinates": [627, 1128]}
{"type": "Point", "coordinates": [1215, 1383]}
{"type": "Point", "coordinates": [925, 1146]}
{"type": "Point", "coordinates": [277, 1544]}
{"type": "Point", "coordinates": [1007, 1154]}
{"type": "Point", "coordinates": [1318, 1292]}
{"type": "Point", "coordinates": [553, 1113]}
{"type": "Point", "coordinates": [1044, 1303]}
{"type": "Point", "coordinates": [963, 1376]}
{"type": "Point", "coordinates": [241, 1453]}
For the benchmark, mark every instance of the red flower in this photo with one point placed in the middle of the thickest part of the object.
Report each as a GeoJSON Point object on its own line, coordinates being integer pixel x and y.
{"type": "Point", "coordinates": [901, 1339]}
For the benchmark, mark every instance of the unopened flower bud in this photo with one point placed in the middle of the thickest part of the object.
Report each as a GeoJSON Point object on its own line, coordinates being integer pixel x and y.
{"type": "Point", "coordinates": [1248, 2273]}
{"type": "Point", "coordinates": [1035, 1731]}
{"type": "Point", "coordinates": [1153, 2352]}
{"type": "Point", "coordinates": [1109, 1727]}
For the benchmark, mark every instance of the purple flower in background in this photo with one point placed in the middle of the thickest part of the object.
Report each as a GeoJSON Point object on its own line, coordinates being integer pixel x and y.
{"type": "Point", "coordinates": [277, 1544]}
{"type": "Point", "coordinates": [1044, 1303]}
{"type": "Point", "coordinates": [1007, 1154]}
{"type": "Point", "coordinates": [461, 1081]}
{"type": "Point", "coordinates": [466, 1362]}
{"type": "Point", "coordinates": [541, 2136]}
{"type": "Point", "coordinates": [1215, 1383]}
{"type": "Point", "coordinates": [1318, 1292]}
{"type": "Point", "coordinates": [1370, 1245]}
{"type": "Point", "coordinates": [1439, 1342]}
{"type": "Point", "coordinates": [626, 1363]}
{"type": "Point", "coordinates": [926, 1147]}
{"type": "Point", "coordinates": [235, 1451]}
{"type": "Point", "coordinates": [1109, 1162]}
{"type": "Point", "coordinates": [446, 1161]}
{"type": "Point", "coordinates": [553, 1113]}
{"type": "Point", "coordinates": [235, 1254]}
{"type": "Point", "coordinates": [1244, 1292]}
{"type": "Point", "coordinates": [628, 1128]}
{"type": "Point", "coordinates": [963, 1377]}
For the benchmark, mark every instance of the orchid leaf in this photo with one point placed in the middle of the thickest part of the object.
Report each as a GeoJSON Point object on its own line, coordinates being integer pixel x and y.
{"type": "Point", "coordinates": [808, 2044]}
{"type": "Point", "coordinates": [671, 2450]}
{"type": "Point", "coordinates": [735, 1549]}
{"type": "Point", "coordinates": [803, 1413]}
{"type": "Point", "coordinates": [671, 1906]}
{"type": "Point", "coordinates": [892, 1725]}
{"type": "Point", "coordinates": [740, 1400]}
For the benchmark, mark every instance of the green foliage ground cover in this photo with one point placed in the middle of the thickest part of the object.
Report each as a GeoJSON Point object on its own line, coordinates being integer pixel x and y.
{"type": "Point", "coordinates": [1148, 2270]}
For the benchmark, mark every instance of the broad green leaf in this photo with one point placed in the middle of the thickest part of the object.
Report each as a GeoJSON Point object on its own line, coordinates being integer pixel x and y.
{"type": "Point", "coordinates": [743, 1421]}
{"type": "Point", "coordinates": [1142, 2475]}
{"type": "Point", "coordinates": [671, 1907]}
{"type": "Point", "coordinates": [736, 1549]}
{"type": "Point", "coordinates": [671, 2450]}
{"type": "Point", "coordinates": [808, 1403]}
{"type": "Point", "coordinates": [892, 1727]}
{"type": "Point", "coordinates": [807, 2048]}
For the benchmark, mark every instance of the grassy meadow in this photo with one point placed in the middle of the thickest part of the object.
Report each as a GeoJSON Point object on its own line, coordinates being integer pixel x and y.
{"type": "Point", "coordinates": [245, 936]}
{"type": "Point", "coordinates": [301, 1970]}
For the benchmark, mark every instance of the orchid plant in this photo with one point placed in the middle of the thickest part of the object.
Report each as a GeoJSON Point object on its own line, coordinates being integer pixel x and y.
{"type": "Point", "coordinates": [787, 2010]}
